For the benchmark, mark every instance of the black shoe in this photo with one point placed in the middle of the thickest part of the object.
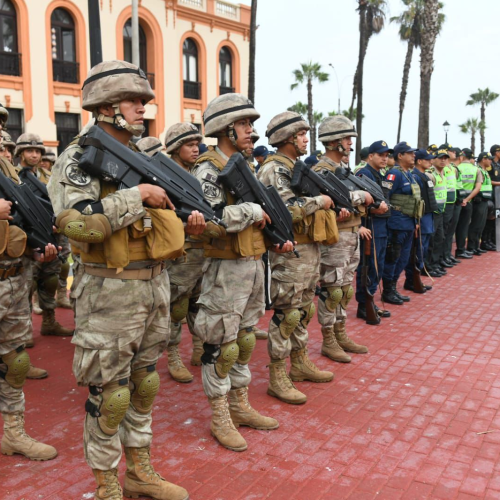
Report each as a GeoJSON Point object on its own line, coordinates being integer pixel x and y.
{"type": "Point", "coordinates": [408, 285]}
{"type": "Point", "coordinates": [492, 248]}
{"type": "Point", "coordinates": [463, 255]}
{"type": "Point", "coordinates": [480, 250]}
{"type": "Point", "coordinates": [434, 273]}
{"type": "Point", "coordinates": [383, 313]}
{"type": "Point", "coordinates": [361, 313]}
{"type": "Point", "coordinates": [454, 260]}
{"type": "Point", "coordinates": [391, 298]}
{"type": "Point", "coordinates": [404, 298]}
{"type": "Point", "coordinates": [477, 252]}
{"type": "Point", "coordinates": [446, 264]}
{"type": "Point", "coordinates": [428, 287]}
{"type": "Point", "coordinates": [470, 252]}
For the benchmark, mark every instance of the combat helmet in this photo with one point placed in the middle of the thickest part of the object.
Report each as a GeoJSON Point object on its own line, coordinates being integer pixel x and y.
{"type": "Point", "coordinates": [335, 128]}
{"type": "Point", "coordinates": [255, 136]}
{"type": "Point", "coordinates": [28, 141]}
{"type": "Point", "coordinates": [7, 140]}
{"type": "Point", "coordinates": [4, 115]}
{"type": "Point", "coordinates": [150, 145]}
{"type": "Point", "coordinates": [111, 82]}
{"type": "Point", "coordinates": [180, 133]}
{"type": "Point", "coordinates": [49, 155]}
{"type": "Point", "coordinates": [286, 125]}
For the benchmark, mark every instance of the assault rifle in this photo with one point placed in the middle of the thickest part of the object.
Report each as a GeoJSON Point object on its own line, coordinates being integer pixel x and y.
{"type": "Point", "coordinates": [38, 188]}
{"type": "Point", "coordinates": [28, 213]}
{"type": "Point", "coordinates": [110, 160]}
{"type": "Point", "coordinates": [307, 182]}
{"type": "Point", "coordinates": [237, 177]}
{"type": "Point", "coordinates": [372, 317]}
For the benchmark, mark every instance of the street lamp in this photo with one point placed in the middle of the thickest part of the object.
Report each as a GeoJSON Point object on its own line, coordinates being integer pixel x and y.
{"type": "Point", "coordinates": [446, 127]}
{"type": "Point", "coordinates": [338, 86]}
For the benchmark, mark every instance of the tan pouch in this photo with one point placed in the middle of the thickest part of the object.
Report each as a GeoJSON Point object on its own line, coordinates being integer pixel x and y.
{"type": "Point", "coordinates": [4, 235]}
{"type": "Point", "coordinates": [16, 244]}
{"type": "Point", "coordinates": [166, 240]}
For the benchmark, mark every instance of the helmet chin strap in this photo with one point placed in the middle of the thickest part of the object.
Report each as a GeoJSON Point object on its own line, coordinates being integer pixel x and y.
{"type": "Point", "coordinates": [339, 148]}
{"type": "Point", "coordinates": [295, 142]}
{"type": "Point", "coordinates": [233, 137]}
{"type": "Point", "coordinates": [118, 121]}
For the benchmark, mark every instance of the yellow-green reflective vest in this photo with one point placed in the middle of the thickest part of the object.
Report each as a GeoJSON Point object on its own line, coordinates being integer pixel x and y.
{"type": "Point", "coordinates": [440, 191]}
{"type": "Point", "coordinates": [469, 176]}
{"type": "Point", "coordinates": [451, 184]}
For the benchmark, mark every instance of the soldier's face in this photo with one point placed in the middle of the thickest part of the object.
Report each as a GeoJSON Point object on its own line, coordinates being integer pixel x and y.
{"type": "Point", "coordinates": [346, 143]}
{"type": "Point", "coordinates": [243, 129]}
{"type": "Point", "coordinates": [133, 111]}
{"type": "Point", "coordinates": [302, 140]}
{"type": "Point", "coordinates": [6, 153]}
{"type": "Point", "coordinates": [31, 157]}
{"type": "Point", "coordinates": [189, 151]}
{"type": "Point", "coordinates": [47, 165]}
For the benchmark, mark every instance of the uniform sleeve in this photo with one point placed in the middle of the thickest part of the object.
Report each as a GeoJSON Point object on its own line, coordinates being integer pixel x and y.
{"type": "Point", "coordinates": [237, 217]}
{"type": "Point", "coordinates": [357, 198]}
{"type": "Point", "coordinates": [70, 185]}
{"type": "Point", "coordinates": [279, 176]}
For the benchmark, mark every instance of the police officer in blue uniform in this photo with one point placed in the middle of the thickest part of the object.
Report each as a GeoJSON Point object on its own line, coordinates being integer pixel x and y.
{"type": "Point", "coordinates": [406, 206]}
{"type": "Point", "coordinates": [378, 154]}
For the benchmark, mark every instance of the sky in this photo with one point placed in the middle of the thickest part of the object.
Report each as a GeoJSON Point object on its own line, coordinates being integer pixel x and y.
{"type": "Point", "coordinates": [326, 31]}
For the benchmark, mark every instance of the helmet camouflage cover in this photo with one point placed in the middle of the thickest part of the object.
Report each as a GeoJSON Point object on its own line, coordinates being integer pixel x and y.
{"type": "Point", "coordinates": [336, 127]}
{"type": "Point", "coordinates": [150, 145]}
{"type": "Point", "coordinates": [180, 133]}
{"type": "Point", "coordinates": [28, 141]}
{"type": "Point", "coordinates": [284, 125]}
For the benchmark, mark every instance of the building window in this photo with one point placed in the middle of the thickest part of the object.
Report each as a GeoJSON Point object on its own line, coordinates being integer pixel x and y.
{"type": "Point", "coordinates": [225, 71]}
{"type": "Point", "coordinates": [64, 65]}
{"type": "Point", "coordinates": [68, 127]}
{"type": "Point", "coordinates": [15, 123]}
{"type": "Point", "coordinates": [10, 59]}
{"type": "Point", "coordinates": [143, 50]}
{"type": "Point", "coordinates": [190, 70]}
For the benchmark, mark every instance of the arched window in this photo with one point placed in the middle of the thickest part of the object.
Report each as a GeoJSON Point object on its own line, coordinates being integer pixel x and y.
{"type": "Point", "coordinates": [225, 71]}
{"type": "Point", "coordinates": [143, 49]}
{"type": "Point", "coordinates": [9, 56]}
{"type": "Point", "coordinates": [64, 65]}
{"type": "Point", "coordinates": [190, 69]}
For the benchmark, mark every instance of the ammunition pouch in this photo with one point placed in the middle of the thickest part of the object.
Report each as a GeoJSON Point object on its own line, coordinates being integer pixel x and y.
{"type": "Point", "coordinates": [408, 205]}
{"type": "Point", "coordinates": [18, 365]}
{"type": "Point", "coordinates": [246, 342]}
{"type": "Point", "coordinates": [286, 320]}
{"type": "Point", "coordinates": [146, 385]}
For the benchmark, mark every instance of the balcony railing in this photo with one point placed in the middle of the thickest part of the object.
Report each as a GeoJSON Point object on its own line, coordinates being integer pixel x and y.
{"type": "Point", "coordinates": [192, 3]}
{"type": "Point", "coordinates": [225, 90]}
{"type": "Point", "coordinates": [227, 9]}
{"type": "Point", "coordinates": [65, 71]}
{"type": "Point", "coordinates": [151, 79]}
{"type": "Point", "coordinates": [192, 90]}
{"type": "Point", "coordinates": [10, 63]}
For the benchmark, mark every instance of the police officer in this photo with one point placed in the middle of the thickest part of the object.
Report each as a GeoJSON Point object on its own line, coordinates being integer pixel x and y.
{"type": "Point", "coordinates": [122, 297]}
{"type": "Point", "coordinates": [488, 239]}
{"type": "Point", "coordinates": [293, 280]}
{"type": "Point", "coordinates": [404, 195]}
{"type": "Point", "coordinates": [376, 221]}
{"type": "Point", "coordinates": [311, 161]}
{"type": "Point", "coordinates": [260, 153]}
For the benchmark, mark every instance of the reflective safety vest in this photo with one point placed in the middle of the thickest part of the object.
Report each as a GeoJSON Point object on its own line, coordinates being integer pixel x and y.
{"type": "Point", "coordinates": [469, 176]}
{"type": "Point", "coordinates": [486, 187]}
{"type": "Point", "coordinates": [451, 184]}
{"type": "Point", "coordinates": [440, 190]}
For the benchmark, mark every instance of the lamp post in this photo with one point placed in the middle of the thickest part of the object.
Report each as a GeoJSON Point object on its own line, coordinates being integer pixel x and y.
{"type": "Point", "coordinates": [446, 127]}
{"type": "Point", "coordinates": [338, 87]}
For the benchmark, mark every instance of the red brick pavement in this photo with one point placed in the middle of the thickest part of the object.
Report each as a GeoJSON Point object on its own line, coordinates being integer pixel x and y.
{"type": "Point", "coordinates": [405, 421]}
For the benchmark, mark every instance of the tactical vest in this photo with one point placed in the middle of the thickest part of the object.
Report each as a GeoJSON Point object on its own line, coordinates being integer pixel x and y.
{"type": "Point", "coordinates": [451, 184]}
{"type": "Point", "coordinates": [408, 204]}
{"type": "Point", "coordinates": [469, 176]}
{"type": "Point", "coordinates": [486, 187]}
{"type": "Point", "coordinates": [427, 192]}
{"type": "Point", "coordinates": [247, 243]}
{"type": "Point", "coordinates": [440, 191]}
{"type": "Point", "coordinates": [43, 175]}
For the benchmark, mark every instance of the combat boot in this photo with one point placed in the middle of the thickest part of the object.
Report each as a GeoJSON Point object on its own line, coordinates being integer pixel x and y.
{"type": "Point", "coordinates": [176, 367]}
{"type": "Point", "coordinates": [242, 412]}
{"type": "Point", "coordinates": [36, 373]}
{"type": "Point", "coordinates": [51, 327]}
{"type": "Point", "coordinates": [281, 386]}
{"type": "Point", "coordinates": [389, 294]}
{"type": "Point", "coordinates": [259, 334]}
{"type": "Point", "coordinates": [330, 347]}
{"type": "Point", "coordinates": [15, 440]}
{"type": "Point", "coordinates": [62, 299]}
{"type": "Point", "coordinates": [35, 304]}
{"type": "Point", "coordinates": [304, 369]}
{"type": "Point", "coordinates": [108, 487]}
{"type": "Point", "coordinates": [345, 342]}
{"type": "Point", "coordinates": [141, 480]}
{"type": "Point", "coordinates": [222, 427]}
{"type": "Point", "coordinates": [404, 298]}
{"type": "Point", "coordinates": [197, 351]}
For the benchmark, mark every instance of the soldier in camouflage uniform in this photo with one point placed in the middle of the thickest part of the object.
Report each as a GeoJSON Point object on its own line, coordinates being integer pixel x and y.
{"type": "Point", "coordinates": [8, 146]}
{"type": "Point", "coordinates": [339, 261]}
{"type": "Point", "coordinates": [150, 145]}
{"type": "Point", "coordinates": [15, 327]}
{"type": "Point", "coordinates": [122, 298]}
{"type": "Point", "coordinates": [293, 280]}
{"type": "Point", "coordinates": [232, 290]}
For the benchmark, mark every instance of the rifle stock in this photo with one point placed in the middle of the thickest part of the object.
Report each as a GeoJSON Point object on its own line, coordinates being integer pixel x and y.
{"type": "Point", "coordinates": [371, 313]}
{"type": "Point", "coordinates": [418, 286]}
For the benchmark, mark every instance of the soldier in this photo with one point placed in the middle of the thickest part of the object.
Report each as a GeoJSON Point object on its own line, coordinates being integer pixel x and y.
{"type": "Point", "coordinates": [16, 328]}
{"type": "Point", "coordinates": [232, 291]}
{"type": "Point", "coordinates": [122, 296]}
{"type": "Point", "coordinates": [186, 272]}
{"type": "Point", "coordinates": [8, 146]}
{"type": "Point", "coordinates": [150, 145]}
{"type": "Point", "coordinates": [45, 165]}
{"type": "Point", "coordinates": [293, 280]}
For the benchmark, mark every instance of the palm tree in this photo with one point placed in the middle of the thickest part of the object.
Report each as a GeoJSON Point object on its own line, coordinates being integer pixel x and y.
{"type": "Point", "coordinates": [429, 33]}
{"type": "Point", "coordinates": [251, 64]}
{"type": "Point", "coordinates": [309, 72]}
{"type": "Point", "coordinates": [299, 107]}
{"type": "Point", "coordinates": [371, 21]}
{"type": "Point", "coordinates": [346, 112]}
{"type": "Point", "coordinates": [471, 126]}
{"type": "Point", "coordinates": [482, 97]}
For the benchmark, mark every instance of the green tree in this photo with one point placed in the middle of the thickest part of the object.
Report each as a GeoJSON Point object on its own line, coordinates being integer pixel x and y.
{"type": "Point", "coordinates": [471, 126]}
{"type": "Point", "coordinates": [251, 55]}
{"type": "Point", "coordinates": [483, 97]}
{"type": "Point", "coordinates": [309, 73]}
{"type": "Point", "coordinates": [299, 107]}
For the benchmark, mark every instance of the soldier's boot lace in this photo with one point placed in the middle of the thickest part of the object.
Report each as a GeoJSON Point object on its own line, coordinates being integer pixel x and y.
{"type": "Point", "coordinates": [62, 299]}
{"type": "Point", "coordinates": [142, 480]}
{"type": "Point", "coordinates": [36, 307]}
{"type": "Point", "coordinates": [15, 440]}
{"type": "Point", "coordinates": [242, 412]}
{"type": "Point", "coordinates": [330, 347]}
{"type": "Point", "coordinates": [108, 487]}
{"type": "Point", "coordinates": [345, 342]}
{"type": "Point", "coordinates": [222, 427]}
{"type": "Point", "coordinates": [36, 373]}
{"type": "Point", "coordinates": [197, 351]}
{"type": "Point", "coordinates": [280, 385]}
{"type": "Point", "coordinates": [304, 369]}
{"type": "Point", "coordinates": [176, 367]}
{"type": "Point", "coordinates": [51, 327]}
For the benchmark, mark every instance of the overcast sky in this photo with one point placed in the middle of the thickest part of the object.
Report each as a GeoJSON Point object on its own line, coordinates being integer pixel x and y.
{"type": "Point", "coordinates": [326, 31]}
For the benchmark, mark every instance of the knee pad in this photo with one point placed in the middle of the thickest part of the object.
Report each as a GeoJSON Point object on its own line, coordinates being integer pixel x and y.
{"type": "Point", "coordinates": [287, 320]}
{"type": "Point", "coordinates": [347, 293]}
{"type": "Point", "coordinates": [307, 314]}
{"type": "Point", "coordinates": [179, 309]}
{"type": "Point", "coordinates": [246, 343]}
{"type": "Point", "coordinates": [331, 296]}
{"type": "Point", "coordinates": [115, 400]}
{"type": "Point", "coordinates": [49, 284]}
{"type": "Point", "coordinates": [146, 386]}
{"type": "Point", "coordinates": [222, 356]}
{"type": "Point", "coordinates": [63, 274]}
{"type": "Point", "coordinates": [18, 366]}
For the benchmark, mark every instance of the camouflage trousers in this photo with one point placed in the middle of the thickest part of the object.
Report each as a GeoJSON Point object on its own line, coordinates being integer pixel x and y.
{"type": "Point", "coordinates": [185, 274]}
{"type": "Point", "coordinates": [15, 331]}
{"type": "Point", "coordinates": [338, 265]}
{"type": "Point", "coordinates": [43, 273]}
{"type": "Point", "coordinates": [232, 298]}
{"type": "Point", "coordinates": [293, 283]}
{"type": "Point", "coordinates": [121, 327]}
{"type": "Point", "coordinates": [65, 252]}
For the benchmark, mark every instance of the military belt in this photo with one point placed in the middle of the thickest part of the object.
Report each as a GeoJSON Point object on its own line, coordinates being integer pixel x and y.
{"type": "Point", "coordinates": [251, 257]}
{"type": "Point", "coordinates": [353, 229]}
{"type": "Point", "coordinates": [145, 274]}
{"type": "Point", "coordinates": [193, 244]}
{"type": "Point", "coordinates": [11, 270]}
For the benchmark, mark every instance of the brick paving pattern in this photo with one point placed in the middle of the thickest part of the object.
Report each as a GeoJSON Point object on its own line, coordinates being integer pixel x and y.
{"type": "Point", "coordinates": [409, 420]}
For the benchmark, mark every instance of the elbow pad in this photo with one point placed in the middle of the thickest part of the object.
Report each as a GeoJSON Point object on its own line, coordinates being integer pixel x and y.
{"type": "Point", "coordinates": [83, 228]}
